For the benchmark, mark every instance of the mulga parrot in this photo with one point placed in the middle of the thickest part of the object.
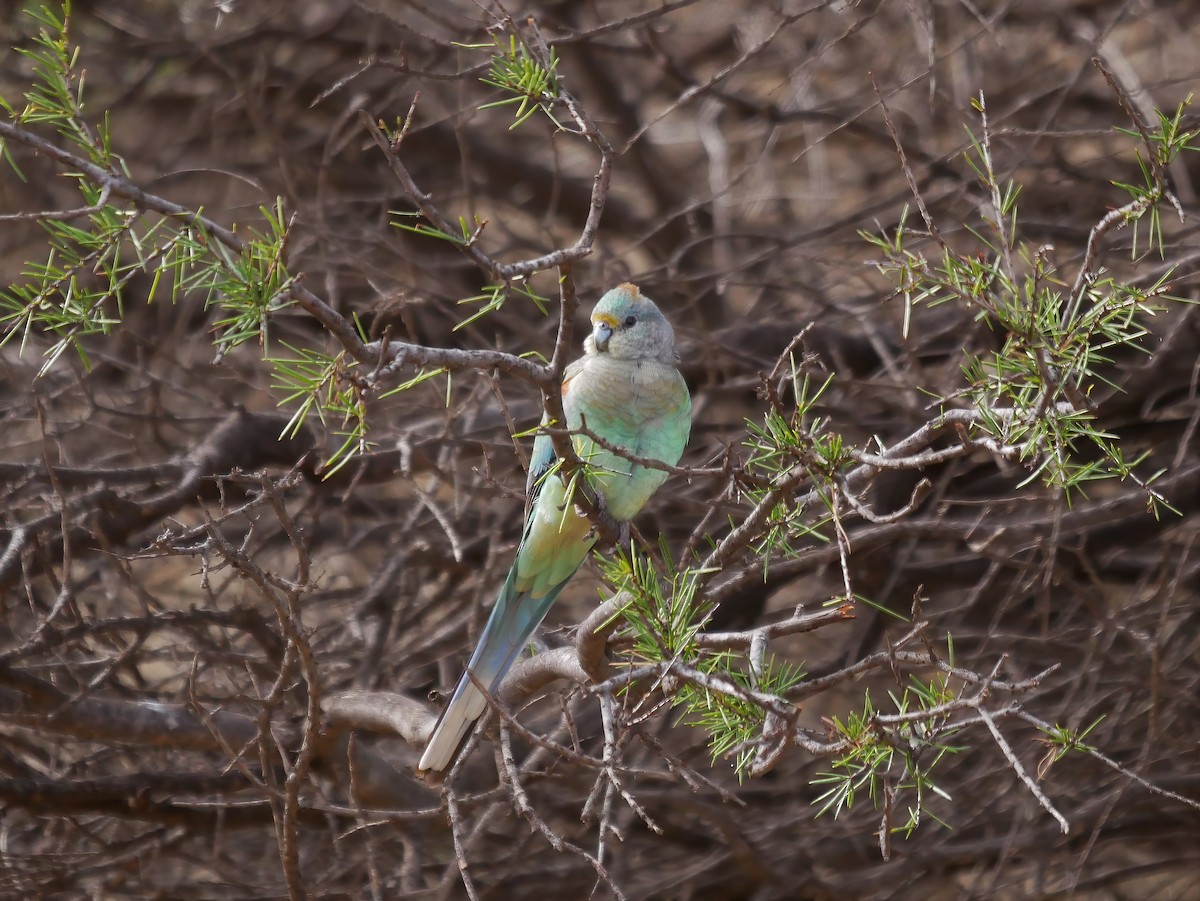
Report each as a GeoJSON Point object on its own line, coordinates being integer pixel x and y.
{"type": "Point", "coordinates": [627, 390]}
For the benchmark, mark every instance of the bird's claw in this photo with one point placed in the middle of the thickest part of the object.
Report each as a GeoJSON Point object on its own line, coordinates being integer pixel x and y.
{"type": "Point", "coordinates": [607, 525]}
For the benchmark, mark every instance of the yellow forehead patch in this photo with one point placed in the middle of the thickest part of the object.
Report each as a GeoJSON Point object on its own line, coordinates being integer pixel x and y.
{"type": "Point", "coordinates": [607, 319]}
{"type": "Point", "coordinates": [630, 287]}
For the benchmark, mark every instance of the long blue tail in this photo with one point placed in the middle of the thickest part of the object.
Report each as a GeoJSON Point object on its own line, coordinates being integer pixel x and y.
{"type": "Point", "coordinates": [513, 621]}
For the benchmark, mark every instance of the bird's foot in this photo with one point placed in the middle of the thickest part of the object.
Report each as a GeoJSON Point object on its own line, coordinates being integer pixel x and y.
{"type": "Point", "coordinates": [610, 528]}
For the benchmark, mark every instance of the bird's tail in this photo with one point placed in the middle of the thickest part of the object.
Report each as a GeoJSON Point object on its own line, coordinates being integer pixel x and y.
{"type": "Point", "coordinates": [513, 621]}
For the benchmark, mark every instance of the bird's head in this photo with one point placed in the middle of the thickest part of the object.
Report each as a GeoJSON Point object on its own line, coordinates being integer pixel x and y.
{"type": "Point", "coordinates": [627, 325]}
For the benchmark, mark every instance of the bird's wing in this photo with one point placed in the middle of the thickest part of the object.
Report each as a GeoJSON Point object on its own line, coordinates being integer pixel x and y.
{"type": "Point", "coordinates": [648, 414]}
{"type": "Point", "coordinates": [543, 458]}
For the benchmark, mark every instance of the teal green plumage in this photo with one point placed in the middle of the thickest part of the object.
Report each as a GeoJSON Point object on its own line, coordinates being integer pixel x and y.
{"type": "Point", "coordinates": [627, 390]}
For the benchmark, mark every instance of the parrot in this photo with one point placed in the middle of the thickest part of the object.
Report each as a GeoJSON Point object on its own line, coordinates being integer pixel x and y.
{"type": "Point", "coordinates": [627, 390]}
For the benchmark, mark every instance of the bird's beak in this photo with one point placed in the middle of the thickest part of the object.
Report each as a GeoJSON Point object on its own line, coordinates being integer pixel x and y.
{"type": "Point", "coordinates": [601, 332]}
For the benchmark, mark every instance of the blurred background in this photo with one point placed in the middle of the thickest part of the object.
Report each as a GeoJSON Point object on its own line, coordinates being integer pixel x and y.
{"type": "Point", "coordinates": [751, 151]}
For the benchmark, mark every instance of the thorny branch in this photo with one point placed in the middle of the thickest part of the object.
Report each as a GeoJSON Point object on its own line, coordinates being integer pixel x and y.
{"type": "Point", "coordinates": [252, 640]}
{"type": "Point", "coordinates": [550, 376]}
{"type": "Point", "coordinates": [387, 359]}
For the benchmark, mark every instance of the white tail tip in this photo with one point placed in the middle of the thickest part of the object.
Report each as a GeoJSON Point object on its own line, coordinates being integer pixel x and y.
{"type": "Point", "coordinates": [452, 728]}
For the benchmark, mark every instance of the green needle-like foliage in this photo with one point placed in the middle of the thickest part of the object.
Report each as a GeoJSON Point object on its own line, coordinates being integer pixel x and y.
{"type": "Point", "coordinates": [890, 757]}
{"type": "Point", "coordinates": [716, 690]}
{"type": "Point", "coordinates": [516, 70]}
{"type": "Point", "coordinates": [1033, 394]}
{"type": "Point", "coordinates": [81, 288]}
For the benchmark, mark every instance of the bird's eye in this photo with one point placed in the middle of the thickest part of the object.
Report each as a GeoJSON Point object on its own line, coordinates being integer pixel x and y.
{"type": "Point", "coordinates": [630, 320]}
